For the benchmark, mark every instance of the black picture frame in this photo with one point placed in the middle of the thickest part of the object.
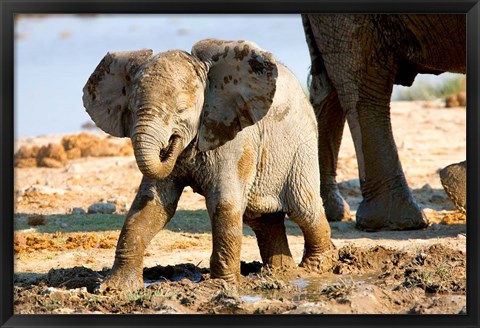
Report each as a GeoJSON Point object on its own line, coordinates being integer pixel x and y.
{"type": "Point", "coordinates": [10, 7]}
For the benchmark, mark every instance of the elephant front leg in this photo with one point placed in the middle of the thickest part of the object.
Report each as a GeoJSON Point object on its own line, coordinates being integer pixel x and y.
{"type": "Point", "coordinates": [149, 213]}
{"type": "Point", "coordinates": [272, 240]}
{"type": "Point", "coordinates": [227, 227]}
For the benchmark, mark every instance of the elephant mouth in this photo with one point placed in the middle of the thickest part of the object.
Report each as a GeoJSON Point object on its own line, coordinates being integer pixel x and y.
{"type": "Point", "coordinates": [171, 149]}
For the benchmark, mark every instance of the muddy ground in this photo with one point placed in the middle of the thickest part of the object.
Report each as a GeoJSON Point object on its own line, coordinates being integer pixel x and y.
{"type": "Point", "coordinates": [60, 256]}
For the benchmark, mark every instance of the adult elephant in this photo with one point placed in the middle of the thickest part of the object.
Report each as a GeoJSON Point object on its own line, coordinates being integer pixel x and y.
{"type": "Point", "coordinates": [356, 59]}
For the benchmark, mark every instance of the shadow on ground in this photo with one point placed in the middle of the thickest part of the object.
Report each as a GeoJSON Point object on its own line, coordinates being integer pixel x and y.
{"type": "Point", "coordinates": [198, 222]}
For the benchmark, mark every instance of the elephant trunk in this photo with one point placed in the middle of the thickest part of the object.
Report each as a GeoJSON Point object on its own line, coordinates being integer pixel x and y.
{"type": "Point", "coordinates": [155, 149]}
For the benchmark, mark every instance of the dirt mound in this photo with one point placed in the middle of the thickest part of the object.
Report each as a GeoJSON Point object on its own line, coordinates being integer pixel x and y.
{"type": "Point", "coordinates": [51, 155]}
{"type": "Point", "coordinates": [76, 277]}
{"type": "Point", "coordinates": [174, 273]}
{"type": "Point", "coordinates": [456, 100]}
{"type": "Point", "coordinates": [71, 147]}
{"type": "Point", "coordinates": [26, 156]}
{"type": "Point", "coordinates": [58, 241]}
{"type": "Point", "coordinates": [85, 145]}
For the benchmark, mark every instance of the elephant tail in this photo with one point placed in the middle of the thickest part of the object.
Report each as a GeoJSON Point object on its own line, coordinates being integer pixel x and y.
{"type": "Point", "coordinates": [318, 81]}
{"type": "Point", "coordinates": [315, 55]}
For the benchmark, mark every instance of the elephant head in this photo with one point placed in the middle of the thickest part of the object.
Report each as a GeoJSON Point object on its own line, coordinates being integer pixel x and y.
{"type": "Point", "coordinates": [164, 101]}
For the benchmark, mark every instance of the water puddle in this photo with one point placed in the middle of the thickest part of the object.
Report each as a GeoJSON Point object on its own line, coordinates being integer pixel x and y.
{"type": "Point", "coordinates": [314, 289]}
{"type": "Point", "coordinates": [251, 299]}
{"type": "Point", "coordinates": [147, 283]}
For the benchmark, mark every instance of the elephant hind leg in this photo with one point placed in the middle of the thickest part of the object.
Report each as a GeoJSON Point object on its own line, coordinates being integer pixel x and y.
{"type": "Point", "coordinates": [272, 240]}
{"type": "Point", "coordinates": [306, 210]}
{"type": "Point", "coordinates": [331, 122]}
{"type": "Point", "coordinates": [319, 253]}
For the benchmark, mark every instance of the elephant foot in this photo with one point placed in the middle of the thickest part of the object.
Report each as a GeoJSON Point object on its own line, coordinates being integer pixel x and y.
{"type": "Point", "coordinates": [336, 208]}
{"type": "Point", "coordinates": [280, 261]}
{"type": "Point", "coordinates": [121, 280]}
{"type": "Point", "coordinates": [232, 278]}
{"type": "Point", "coordinates": [320, 262]}
{"type": "Point", "coordinates": [454, 182]}
{"type": "Point", "coordinates": [393, 210]}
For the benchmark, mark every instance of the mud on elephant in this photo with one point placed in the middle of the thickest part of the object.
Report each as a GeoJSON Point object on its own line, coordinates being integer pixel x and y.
{"type": "Point", "coordinates": [232, 123]}
{"type": "Point", "coordinates": [356, 59]}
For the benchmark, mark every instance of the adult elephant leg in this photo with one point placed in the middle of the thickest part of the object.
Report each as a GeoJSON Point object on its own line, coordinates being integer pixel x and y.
{"type": "Point", "coordinates": [388, 203]}
{"type": "Point", "coordinates": [272, 240]}
{"type": "Point", "coordinates": [153, 206]}
{"type": "Point", "coordinates": [331, 121]}
{"type": "Point", "coordinates": [362, 70]}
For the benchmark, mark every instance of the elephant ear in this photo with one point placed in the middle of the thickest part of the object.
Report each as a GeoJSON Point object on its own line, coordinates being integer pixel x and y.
{"type": "Point", "coordinates": [240, 89]}
{"type": "Point", "coordinates": [107, 92]}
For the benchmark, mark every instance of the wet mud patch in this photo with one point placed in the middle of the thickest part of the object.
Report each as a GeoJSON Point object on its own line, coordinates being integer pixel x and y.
{"type": "Point", "coordinates": [376, 280]}
{"type": "Point", "coordinates": [436, 269]}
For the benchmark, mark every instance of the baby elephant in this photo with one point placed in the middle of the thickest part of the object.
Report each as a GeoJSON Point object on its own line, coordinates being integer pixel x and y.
{"type": "Point", "coordinates": [232, 123]}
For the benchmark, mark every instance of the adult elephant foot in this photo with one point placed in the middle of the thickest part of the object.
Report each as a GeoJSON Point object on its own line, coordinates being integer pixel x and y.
{"type": "Point", "coordinates": [392, 210]}
{"type": "Point", "coordinates": [336, 208]}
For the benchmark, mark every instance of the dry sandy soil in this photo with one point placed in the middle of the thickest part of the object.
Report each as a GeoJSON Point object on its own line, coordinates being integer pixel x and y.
{"type": "Point", "coordinates": [415, 272]}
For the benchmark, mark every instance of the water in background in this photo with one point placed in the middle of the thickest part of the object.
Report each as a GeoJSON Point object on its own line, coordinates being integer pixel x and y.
{"type": "Point", "coordinates": [55, 55]}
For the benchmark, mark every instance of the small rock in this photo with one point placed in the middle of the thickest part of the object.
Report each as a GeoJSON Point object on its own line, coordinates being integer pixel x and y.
{"type": "Point", "coordinates": [78, 210]}
{"type": "Point", "coordinates": [342, 226]}
{"type": "Point", "coordinates": [48, 290]}
{"type": "Point", "coordinates": [44, 190]}
{"type": "Point", "coordinates": [427, 188]}
{"type": "Point", "coordinates": [75, 168]}
{"type": "Point", "coordinates": [63, 311]}
{"type": "Point", "coordinates": [102, 208]}
{"type": "Point", "coordinates": [351, 187]}
{"type": "Point", "coordinates": [350, 184]}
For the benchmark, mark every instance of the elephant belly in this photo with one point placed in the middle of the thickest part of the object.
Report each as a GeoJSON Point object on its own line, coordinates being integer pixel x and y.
{"type": "Point", "coordinates": [260, 204]}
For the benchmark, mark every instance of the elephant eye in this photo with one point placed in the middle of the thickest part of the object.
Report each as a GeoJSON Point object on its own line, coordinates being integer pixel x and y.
{"type": "Point", "coordinates": [180, 110]}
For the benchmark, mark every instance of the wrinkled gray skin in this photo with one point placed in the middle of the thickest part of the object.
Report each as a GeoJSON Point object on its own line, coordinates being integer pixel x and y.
{"type": "Point", "coordinates": [454, 182]}
{"type": "Point", "coordinates": [231, 123]}
{"type": "Point", "coordinates": [356, 59]}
